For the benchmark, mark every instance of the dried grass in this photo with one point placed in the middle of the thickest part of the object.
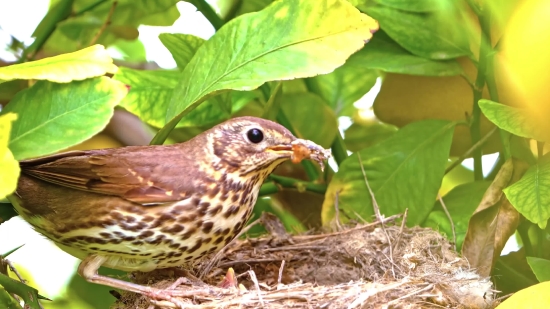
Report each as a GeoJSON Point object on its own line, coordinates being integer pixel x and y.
{"type": "Point", "coordinates": [351, 268]}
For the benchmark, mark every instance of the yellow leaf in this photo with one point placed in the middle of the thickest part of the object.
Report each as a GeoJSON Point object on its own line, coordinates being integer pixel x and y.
{"type": "Point", "coordinates": [535, 296]}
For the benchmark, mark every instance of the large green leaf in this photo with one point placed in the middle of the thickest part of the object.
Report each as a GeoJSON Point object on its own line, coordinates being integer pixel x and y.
{"type": "Point", "coordinates": [531, 194]}
{"type": "Point", "coordinates": [150, 93]}
{"type": "Point", "coordinates": [344, 86]}
{"type": "Point", "coordinates": [362, 135]}
{"type": "Point", "coordinates": [89, 62]}
{"type": "Point", "coordinates": [461, 202]}
{"type": "Point", "coordinates": [9, 167]}
{"type": "Point", "coordinates": [540, 267]}
{"type": "Point", "coordinates": [53, 116]}
{"type": "Point", "coordinates": [288, 39]}
{"type": "Point", "coordinates": [182, 46]}
{"type": "Point", "coordinates": [385, 54]}
{"type": "Point", "coordinates": [512, 119]}
{"type": "Point", "coordinates": [303, 109]}
{"type": "Point", "coordinates": [440, 34]}
{"type": "Point", "coordinates": [404, 171]}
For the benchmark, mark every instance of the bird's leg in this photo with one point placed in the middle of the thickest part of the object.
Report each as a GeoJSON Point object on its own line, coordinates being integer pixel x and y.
{"type": "Point", "coordinates": [88, 270]}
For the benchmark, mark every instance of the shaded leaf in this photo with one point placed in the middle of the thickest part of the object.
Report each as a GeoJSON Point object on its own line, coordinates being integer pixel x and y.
{"type": "Point", "coordinates": [434, 35]}
{"type": "Point", "coordinates": [67, 114]}
{"type": "Point", "coordinates": [531, 194]}
{"type": "Point", "coordinates": [246, 52]}
{"type": "Point", "coordinates": [362, 135]}
{"type": "Point", "coordinates": [412, 6]}
{"type": "Point", "coordinates": [535, 296]}
{"type": "Point", "coordinates": [89, 62]}
{"type": "Point", "coordinates": [493, 222]}
{"type": "Point", "coordinates": [461, 202]}
{"type": "Point", "coordinates": [404, 171]}
{"type": "Point", "coordinates": [385, 54]}
{"type": "Point", "coordinates": [9, 167]}
{"type": "Point", "coordinates": [182, 46]}
{"type": "Point", "coordinates": [540, 267]}
{"type": "Point", "coordinates": [345, 85]}
{"type": "Point", "coordinates": [302, 109]}
{"type": "Point", "coordinates": [518, 121]}
{"type": "Point", "coordinates": [7, 301]}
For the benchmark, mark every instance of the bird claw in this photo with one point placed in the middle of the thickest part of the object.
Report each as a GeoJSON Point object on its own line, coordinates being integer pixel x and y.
{"type": "Point", "coordinates": [305, 149]}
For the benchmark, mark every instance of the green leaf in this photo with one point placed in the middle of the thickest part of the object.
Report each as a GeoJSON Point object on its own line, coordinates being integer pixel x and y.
{"type": "Point", "coordinates": [312, 37]}
{"type": "Point", "coordinates": [344, 86]}
{"type": "Point", "coordinates": [385, 54]}
{"type": "Point", "coordinates": [88, 62]}
{"type": "Point", "coordinates": [531, 194]}
{"type": "Point", "coordinates": [362, 135]}
{"type": "Point", "coordinates": [540, 267]}
{"type": "Point", "coordinates": [436, 35]}
{"type": "Point", "coordinates": [518, 121]}
{"type": "Point", "coordinates": [7, 301]}
{"type": "Point", "coordinates": [9, 167]}
{"type": "Point", "coordinates": [28, 294]}
{"type": "Point", "coordinates": [182, 46]}
{"type": "Point", "coordinates": [303, 109]}
{"type": "Point", "coordinates": [461, 202]}
{"type": "Point", "coordinates": [157, 86]}
{"type": "Point", "coordinates": [412, 6]}
{"type": "Point", "coordinates": [404, 171]}
{"type": "Point", "coordinates": [66, 115]}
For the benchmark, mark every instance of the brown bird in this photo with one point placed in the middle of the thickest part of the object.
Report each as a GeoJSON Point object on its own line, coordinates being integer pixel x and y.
{"type": "Point", "coordinates": [140, 208]}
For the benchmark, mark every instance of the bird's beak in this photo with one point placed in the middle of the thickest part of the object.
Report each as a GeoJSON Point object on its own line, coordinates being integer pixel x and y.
{"type": "Point", "coordinates": [284, 150]}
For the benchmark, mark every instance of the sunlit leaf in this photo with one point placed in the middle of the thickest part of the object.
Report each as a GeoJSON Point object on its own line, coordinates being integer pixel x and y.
{"type": "Point", "coordinates": [531, 194]}
{"type": "Point", "coordinates": [182, 46]}
{"type": "Point", "coordinates": [66, 114]}
{"type": "Point", "coordinates": [9, 167]}
{"type": "Point", "coordinates": [404, 171]}
{"type": "Point", "coordinates": [540, 267]}
{"type": "Point", "coordinates": [362, 135]}
{"type": "Point", "coordinates": [88, 62]}
{"type": "Point", "coordinates": [247, 52]}
{"type": "Point", "coordinates": [518, 121]}
{"type": "Point", "coordinates": [157, 86]}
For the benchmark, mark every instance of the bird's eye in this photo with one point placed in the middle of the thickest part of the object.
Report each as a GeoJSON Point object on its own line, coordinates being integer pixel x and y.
{"type": "Point", "coordinates": [255, 135]}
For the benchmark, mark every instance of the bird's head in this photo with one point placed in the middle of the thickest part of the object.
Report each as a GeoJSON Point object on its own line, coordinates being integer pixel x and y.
{"type": "Point", "coordinates": [250, 144]}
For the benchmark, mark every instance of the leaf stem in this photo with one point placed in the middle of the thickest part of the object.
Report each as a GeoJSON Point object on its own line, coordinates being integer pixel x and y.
{"type": "Point", "coordinates": [209, 13]}
{"type": "Point", "coordinates": [338, 147]}
{"type": "Point", "coordinates": [275, 182]}
{"type": "Point", "coordinates": [484, 49]}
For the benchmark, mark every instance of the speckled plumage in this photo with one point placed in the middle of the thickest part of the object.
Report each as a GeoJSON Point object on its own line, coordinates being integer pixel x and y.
{"type": "Point", "coordinates": [147, 207]}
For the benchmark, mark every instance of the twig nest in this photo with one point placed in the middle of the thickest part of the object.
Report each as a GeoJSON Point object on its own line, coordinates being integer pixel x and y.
{"type": "Point", "coordinates": [350, 268]}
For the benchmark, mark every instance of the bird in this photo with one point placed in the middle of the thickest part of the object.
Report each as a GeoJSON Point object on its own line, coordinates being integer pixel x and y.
{"type": "Point", "coordinates": [141, 208]}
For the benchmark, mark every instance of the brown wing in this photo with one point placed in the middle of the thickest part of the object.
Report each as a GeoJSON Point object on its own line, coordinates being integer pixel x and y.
{"type": "Point", "coordinates": [146, 175]}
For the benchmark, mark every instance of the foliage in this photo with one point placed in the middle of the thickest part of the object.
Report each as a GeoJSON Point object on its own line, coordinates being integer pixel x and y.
{"type": "Point", "coordinates": [448, 83]}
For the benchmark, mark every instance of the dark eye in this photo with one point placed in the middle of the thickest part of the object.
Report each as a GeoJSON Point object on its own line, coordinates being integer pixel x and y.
{"type": "Point", "coordinates": [255, 135]}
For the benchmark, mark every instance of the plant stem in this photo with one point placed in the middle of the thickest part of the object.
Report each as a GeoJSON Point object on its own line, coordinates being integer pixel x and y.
{"type": "Point", "coordinates": [475, 125]}
{"type": "Point", "coordinates": [275, 182]}
{"type": "Point", "coordinates": [338, 148]}
{"type": "Point", "coordinates": [209, 13]}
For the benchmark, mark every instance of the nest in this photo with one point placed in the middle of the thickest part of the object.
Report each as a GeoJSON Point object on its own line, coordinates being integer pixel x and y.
{"type": "Point", "coordinates": [361, 266]}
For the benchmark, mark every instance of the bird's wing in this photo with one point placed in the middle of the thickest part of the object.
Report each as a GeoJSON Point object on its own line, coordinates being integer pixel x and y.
{"type": "Point", "coordinates": [138, 175]}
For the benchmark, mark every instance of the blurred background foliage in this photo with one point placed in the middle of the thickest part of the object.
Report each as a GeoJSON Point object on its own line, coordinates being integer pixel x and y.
{"type": "Point", "coordinates": [413, 111]}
